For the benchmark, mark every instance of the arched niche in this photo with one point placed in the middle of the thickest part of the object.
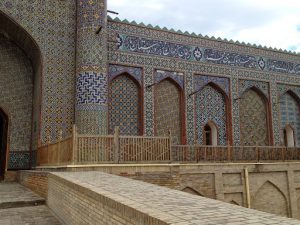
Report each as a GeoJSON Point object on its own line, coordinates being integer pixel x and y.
{"type": "Point", "coordinates": [167, 110]}
{"type": "Point", "coordinates": [290, 119]}
{"type": "Point", "coordinates": [24, 68]}
{"type": "Point", "coordinates": [270, 195]}
{"type": "Point", "coordinates": [210, 134]}
{"type": "Point", "coordinates": [211, 108]}
{"type": "Point", "coordinates": [289, 136]}
{"type": "Point", "coordinates": [254, 123]}
{"type": "Point", "coordinates": [125, 105]}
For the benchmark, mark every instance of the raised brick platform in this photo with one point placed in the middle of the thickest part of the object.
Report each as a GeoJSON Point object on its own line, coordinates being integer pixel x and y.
{"type": "Point", "coordinates": [87, 197]}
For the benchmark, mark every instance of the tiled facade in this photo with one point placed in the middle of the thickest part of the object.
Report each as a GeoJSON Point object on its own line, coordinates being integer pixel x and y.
{"type": "Point", "coordinates": [83, 53]}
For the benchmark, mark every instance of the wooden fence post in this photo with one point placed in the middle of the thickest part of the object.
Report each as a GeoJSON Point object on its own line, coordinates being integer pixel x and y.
{"type": "Point", "coordinates": [74, 145]}
{"type": "Point", "coordinates": [116, 144]}
{"type": "Point", "coordinates": [170, 142]}
{"type": "Point", "coordinates": [228, 152]}
{"type": "Point", "coordinates": [59, 146]}
{"type": "Point", "coordinates": [257, 152]}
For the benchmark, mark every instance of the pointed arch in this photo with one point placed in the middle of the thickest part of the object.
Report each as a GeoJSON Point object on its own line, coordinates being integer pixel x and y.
{"type": "Point", "coordinates": [125, 105]}
{"type": "Point", "coordinates": [168, 110]}
{"type": "Point", "coordinates": [20, 154]}
{"type": "Point", "coordinates": [289, 108]}
{"type": "Point", "coordinates": [210, 134]}
{"type": "Point", "coordinates": [192, 191]}
{"type": "Point", "coordinates": [212, 104]}
{"type": "Point", "coordinates": [270, 195]}
{"type": "Point", "coordinates": [254, 117]}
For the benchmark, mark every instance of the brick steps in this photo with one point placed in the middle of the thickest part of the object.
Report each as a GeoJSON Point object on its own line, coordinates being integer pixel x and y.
{"type": "Point", "coordinates": [14, 195]}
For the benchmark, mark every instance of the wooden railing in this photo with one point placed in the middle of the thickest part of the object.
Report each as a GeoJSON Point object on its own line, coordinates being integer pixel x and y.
{"type": "Point", "coordinates": [93, 149]}
{"type": "Point", "coordinates": [57, 153]}
{"type": "Point", "coordinates": [197, 153]}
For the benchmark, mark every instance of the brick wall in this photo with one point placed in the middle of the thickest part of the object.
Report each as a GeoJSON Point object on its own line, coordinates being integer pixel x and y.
{"type": "Point", "coordinates": [37, 181]}
{"type": "Point", "coordinates": [75, 204]}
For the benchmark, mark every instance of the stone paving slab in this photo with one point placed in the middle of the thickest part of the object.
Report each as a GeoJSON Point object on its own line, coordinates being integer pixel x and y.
{"type": "Point", "coordinates": [15, 195]}
{"type": "Point", "coordinates": [171, 206]}
{"type": "Point", "coordinates": [34, 215]}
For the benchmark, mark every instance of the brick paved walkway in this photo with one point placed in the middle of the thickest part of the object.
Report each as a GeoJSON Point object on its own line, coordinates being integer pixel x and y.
{"type": "Point", "coordinates": [20, 206]}
{"type": "Point", "coordinates": [171, 206]}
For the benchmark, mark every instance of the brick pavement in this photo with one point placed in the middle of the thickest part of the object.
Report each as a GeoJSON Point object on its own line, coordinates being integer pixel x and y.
{"type": "Point", "coordinates": [20, 206]}
{"type": "Point", "coordinates": [166, 206]}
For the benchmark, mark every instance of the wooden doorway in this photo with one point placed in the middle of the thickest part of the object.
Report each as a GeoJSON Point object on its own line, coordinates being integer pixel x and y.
{"type": "Point", "coordinates": [3, 143]}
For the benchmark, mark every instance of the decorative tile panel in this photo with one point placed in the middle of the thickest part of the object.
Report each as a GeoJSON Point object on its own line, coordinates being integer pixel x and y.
{"type": "Point", "coordinates": [157, 47]}
{"type": "Point", "coordinates": [177, 77]}
{"type": "Point", "coordinates": [125, 106]}
{"type": "Point", "coordinates": [260, 85]}
{"type": "Point", "coordinates": [18, 160]}
{"type": "Point", "coordinates": [91, 88]}
{"type": "Point", "coordinates": [148, 101]}
{"type": "Point", "coordinates": [253, 119]}
{"type": "Point", "coordinates": [116, 70]}
{"type": "Point", "coordinates": [210, 106]}
{"type": "Point", "coordinates": [168, 116]}
{"type": "Point", "coordinates": [289, 115]}
{"type": "Point", "coordinates": [201, 81]}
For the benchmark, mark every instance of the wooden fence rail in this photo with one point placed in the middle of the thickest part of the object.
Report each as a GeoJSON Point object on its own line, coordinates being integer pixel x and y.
{"type": "Point", "coordinates": [93, 149]}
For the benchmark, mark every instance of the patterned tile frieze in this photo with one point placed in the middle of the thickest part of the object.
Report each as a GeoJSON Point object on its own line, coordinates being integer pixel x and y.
{"type": "Point", "coordinates": [196, 53]}
{"type": "Point", "coordinates": [200, 81]}
{"type": "Point", "coordinates": [162, 74]}
{"type": "Point", "coordinates": [134, 30]}
{"type": "Point", "coordinates": [116, 70]}
{"type": "Point", "coordinates": [235, 108]}
{"type": "Point", "coordinates": [246, 84]}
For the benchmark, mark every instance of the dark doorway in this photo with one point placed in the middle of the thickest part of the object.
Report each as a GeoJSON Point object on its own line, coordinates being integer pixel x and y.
{"type": "Point", "coordinates": [207, 135]}
{"type": "Point", "coordinates": [3, 143]}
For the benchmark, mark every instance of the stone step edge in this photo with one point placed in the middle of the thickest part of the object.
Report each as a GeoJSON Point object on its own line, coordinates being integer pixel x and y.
{"type": "Point", "coordinates": [19, 204]}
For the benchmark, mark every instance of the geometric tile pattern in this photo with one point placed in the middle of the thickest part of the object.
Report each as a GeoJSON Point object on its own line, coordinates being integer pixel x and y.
{"type": "Point", "coordinates": [16, 84]}
{"type": "Point", "coordinates": [116, 70]}
{"type": "Point", "coordinates": [167, 105]}
{"type": "Point", "coordinates": [246, 84]}
{"type": "Point", "coordinates": [91, 13]}
{"type": "Point", "coordinates": [91, 88]}
{"type": "Point", "coordinates": [124, 106]}
{"type": "Point", "coordinates": [148, 101]}
{"type": "Point", "coordinates": [201, 81]}
{"type": "Point", "coordinates": [253, 119]}
{"type": "Point", "coordinates": [210, 106]}
{"type": "Point", "coordinates": [193, 53]}
{"type": "Point", "coordinates": [177, 77]}
{"type": "Point", "coordinates": [52, 26]}
{"type": "Point", "coordinates": [19, 160]}
{"type": "Point", "coordinates": [289, 115]}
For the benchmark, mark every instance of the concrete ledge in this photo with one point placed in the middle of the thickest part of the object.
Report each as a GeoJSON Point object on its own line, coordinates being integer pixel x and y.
{"type": "Point", "coordinates": [99, 198]}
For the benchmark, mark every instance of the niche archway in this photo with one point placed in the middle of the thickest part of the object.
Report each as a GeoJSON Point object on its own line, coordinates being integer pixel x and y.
{"type": "Point", "coordinates": [168, 111]}
{"type": "Point", "coordinates": [125, 105]}
{"type": "Point", "coordinates": [210, 134]}
{"type": "Point", "coordinates": [254, 118]}
{"type": "Point", "coordinates": [288, 133]}
{"type": "Point", "coordinates": [21, 101]}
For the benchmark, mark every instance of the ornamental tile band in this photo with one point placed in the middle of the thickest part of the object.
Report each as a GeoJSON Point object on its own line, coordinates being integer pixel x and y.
{"type": "Point", "coordinates": [143, 45]}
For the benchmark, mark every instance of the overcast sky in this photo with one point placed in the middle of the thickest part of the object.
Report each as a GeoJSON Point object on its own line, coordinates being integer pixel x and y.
{"type": "Point", "coordinates": [271, 23]}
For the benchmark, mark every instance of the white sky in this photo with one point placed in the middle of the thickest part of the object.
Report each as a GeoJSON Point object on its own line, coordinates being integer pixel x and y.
{"type": "Point", "coordinates": [271, 23]}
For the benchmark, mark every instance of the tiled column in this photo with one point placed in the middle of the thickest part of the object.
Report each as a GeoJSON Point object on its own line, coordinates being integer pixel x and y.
{"type": "Point", "coordinates": [235, 108]}
{"type": "Point", "coordinates": [91, 61]}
